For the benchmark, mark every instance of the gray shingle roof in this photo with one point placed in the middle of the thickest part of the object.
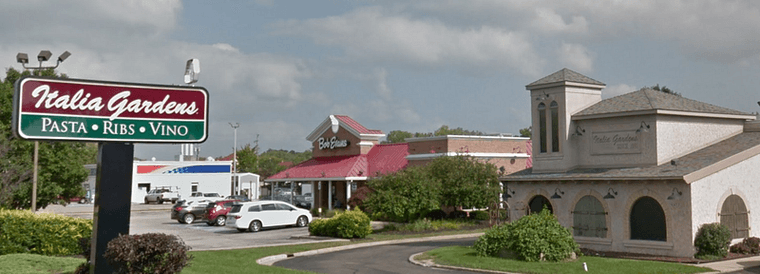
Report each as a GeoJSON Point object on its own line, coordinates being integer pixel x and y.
{"type": "Point", "coordinates": [685, 165]}
{"type": "Point", "coordinates": [649, 99]}
{"type": "Point", "coordinates": [565, 75]}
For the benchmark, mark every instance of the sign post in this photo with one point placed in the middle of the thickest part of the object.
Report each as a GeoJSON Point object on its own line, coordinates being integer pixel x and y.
{"type": "Point", "coordinates": [115, 115]}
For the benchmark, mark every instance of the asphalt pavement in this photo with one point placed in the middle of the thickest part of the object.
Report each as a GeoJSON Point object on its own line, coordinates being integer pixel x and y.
{"type": "Point", "coordinates": [229, 239]}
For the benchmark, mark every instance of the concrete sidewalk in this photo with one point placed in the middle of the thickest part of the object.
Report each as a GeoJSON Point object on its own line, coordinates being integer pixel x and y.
{"type": "Point", "coordinates": [743, 265]}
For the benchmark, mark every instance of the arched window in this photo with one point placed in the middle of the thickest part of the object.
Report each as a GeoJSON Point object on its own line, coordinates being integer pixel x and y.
{"type": "Point", "coordinates": [542, 126]}
{"type": "Point", "coordinates": [537, 204]}
{"type": "Point", "coordinates": [554, 108]}
{"type": "Point", "coordinates": [589, 218]}
{"type": "Point", "coordinates": [734, 215]}
{"type": "Point", "coordinates": [648, 220]}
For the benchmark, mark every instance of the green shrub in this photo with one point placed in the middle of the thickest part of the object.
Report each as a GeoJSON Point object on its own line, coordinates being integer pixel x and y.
{"type": "Point", "coordinates": [349, 224]}
{"type": "Point", "coordinates": [531, 238]}
{"type": "Point", "coordinates": [712, 240]}
{"type": "Point", "coordinates": [480, 215]}
{"type": "Point", "coordinates": [147, 253]}
{"type": "Point", "coordinates": [749, 245]}
{"type": "Point", "coordinates": [22, 231]}
{"type": "Point", "coordinates": [404, 196]}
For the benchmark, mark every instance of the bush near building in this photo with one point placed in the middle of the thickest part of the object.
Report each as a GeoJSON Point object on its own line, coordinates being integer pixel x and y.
{"type": "Point", "coordinates": [147, 253]}
{"type": "Point", "coordinates": [349, 224]}
{"type": "Point", "coordinates": [749, 245]}
{"type": "Point", "coordinates": [404, 196]}
{"type": "Point", "coordinates": [22, 231]}
{"type": "Point", "coordinates": [712, 241]}
{"type": "Point", "coordinates": [532, 238]}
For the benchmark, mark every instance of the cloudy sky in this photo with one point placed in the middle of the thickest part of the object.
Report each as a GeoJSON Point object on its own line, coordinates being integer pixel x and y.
{"type": "Point", "coordinates": [279, 68]}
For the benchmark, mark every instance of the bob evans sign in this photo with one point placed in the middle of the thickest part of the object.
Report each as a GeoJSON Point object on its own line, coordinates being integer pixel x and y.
{"type": "Point", "coordinates": [83, 110]}
{"type": "Point", "coordinates": [332, 143]}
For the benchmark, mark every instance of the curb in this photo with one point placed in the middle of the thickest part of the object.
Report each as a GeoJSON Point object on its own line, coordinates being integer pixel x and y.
{"type": "Point", "coordinates": [270, 260]}
{"type": "Point", "coordinates": [430, 263]}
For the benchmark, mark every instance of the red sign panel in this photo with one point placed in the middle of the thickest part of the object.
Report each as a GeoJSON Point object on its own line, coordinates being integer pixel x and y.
{"type": "Point", "coordinates": [69, 109]}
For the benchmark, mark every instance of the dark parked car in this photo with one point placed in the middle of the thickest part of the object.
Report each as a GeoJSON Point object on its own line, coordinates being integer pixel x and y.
{"type": "Point", "coordinates": [216, 212]}
{"type": "Point", "coordinates": [186, 212]}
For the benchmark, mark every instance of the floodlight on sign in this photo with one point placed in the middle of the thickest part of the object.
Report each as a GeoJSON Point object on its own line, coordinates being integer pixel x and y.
{"type": "Point", "coordinates": [192, 71]}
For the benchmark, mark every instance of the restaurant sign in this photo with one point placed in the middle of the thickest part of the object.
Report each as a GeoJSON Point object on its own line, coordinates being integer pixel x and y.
{"type": "Point", "coordinates": [85, 110]}
{"type": "Point", "coordinates": [332, 143]}
{"type": "Point", "coordinates": [615, 142]}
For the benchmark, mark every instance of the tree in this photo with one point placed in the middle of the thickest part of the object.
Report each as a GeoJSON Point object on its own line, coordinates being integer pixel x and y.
{"type": "Point", "coordinates": [398, 136]}
{"type": "Point", "coordinates": [664, 89]}
{"type": "Point", "coordinates": [269, 162]}
{"type": "Point", "coordinates": [247, 159]}
{"type": "Point", "coordinates": [60, 166]}
{"type": "Point", "coordinates": [465, 181]}
{"type": "Point", "coordinates": [445, 130]}
{"type": "Point", "coordinates": [404, 196]}
{"type": "Point", "coordinates": [525, 132]}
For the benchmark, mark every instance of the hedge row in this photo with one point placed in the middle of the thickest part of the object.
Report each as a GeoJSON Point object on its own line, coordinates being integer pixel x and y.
{"type": "Point", "coordinates": [22, 231]}
{"type": "Point", "coordinates": [349, 224]}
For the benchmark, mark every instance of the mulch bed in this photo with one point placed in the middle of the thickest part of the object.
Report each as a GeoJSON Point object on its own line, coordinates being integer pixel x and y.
{"type": "Point", "coordinates": [636, 256]}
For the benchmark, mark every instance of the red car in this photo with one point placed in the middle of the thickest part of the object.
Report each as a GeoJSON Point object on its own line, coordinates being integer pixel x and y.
{"type": "Point", "coordinates": [216, 212]}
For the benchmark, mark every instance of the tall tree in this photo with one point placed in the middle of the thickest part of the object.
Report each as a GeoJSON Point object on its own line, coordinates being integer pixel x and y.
{"type": "Point", "coordinates": [247, 159]}
{"type": "Point", "coordinates": [525, 132]}
{"type": "Point", "coordinates": [465, 181]}
{"type": "Point", "coordinates": [398, 136]}
{"type": "Point", "coordinates": [664, 89]}
{"type": "Point", "coordinates": [60, 166]}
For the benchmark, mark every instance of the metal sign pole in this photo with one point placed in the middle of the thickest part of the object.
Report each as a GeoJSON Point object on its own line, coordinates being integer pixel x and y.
{"type": "Point", "coordinates": [113, 200]}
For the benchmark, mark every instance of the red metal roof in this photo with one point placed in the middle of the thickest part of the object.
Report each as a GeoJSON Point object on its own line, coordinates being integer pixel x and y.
{"type": "Point", "coordinates": [356, 126]}
{"type": "Point", "coordinates": [381, 159]}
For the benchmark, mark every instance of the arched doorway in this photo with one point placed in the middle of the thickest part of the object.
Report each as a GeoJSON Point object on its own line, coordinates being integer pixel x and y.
{"type": "Point", "coordinates": [589, 218]}
{"type": "Point", "coordinates": [735, 216]}
{"type": "Point", "coordinates": [648, 220]}
{"type": "Point", "coordinates": [537, 204]}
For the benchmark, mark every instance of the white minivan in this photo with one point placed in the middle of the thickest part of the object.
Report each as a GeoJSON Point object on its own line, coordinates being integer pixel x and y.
{"type": "Point", "coordinates": [253, 216]}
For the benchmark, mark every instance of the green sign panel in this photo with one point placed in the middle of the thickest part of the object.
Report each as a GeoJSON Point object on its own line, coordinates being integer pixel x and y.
{"type": "Point", "coordinates": [83, 110]}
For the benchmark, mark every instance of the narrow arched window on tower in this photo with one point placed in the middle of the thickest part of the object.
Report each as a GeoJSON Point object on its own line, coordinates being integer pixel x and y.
{"type": "Point", "coordinates": [542, 126]}
{"type": "Point", "coordinates": [554, 108]}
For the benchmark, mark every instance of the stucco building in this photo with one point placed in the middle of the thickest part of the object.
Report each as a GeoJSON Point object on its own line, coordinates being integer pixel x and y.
{"type": "Point", "coordinates": [639, 172]}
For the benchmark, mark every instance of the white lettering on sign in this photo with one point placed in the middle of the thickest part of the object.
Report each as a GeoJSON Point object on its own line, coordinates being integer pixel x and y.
{"type": "Point", "coordinates": [161, 107]}
{"type": "Point", "coordinates": [65, 102]}
{"type": "Point", "coordinates": [332, 143]}
{"type": "Point", "coordinates": [165, 130]}
{"type": "Point", "coordinates": [116, 128]}
{"type": "Point", "coordinates": [48, 125]}
{"type": "Point", "coordinates": [119, 103]}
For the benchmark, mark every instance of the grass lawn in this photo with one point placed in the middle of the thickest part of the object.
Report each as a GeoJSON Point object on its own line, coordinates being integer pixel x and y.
{"type": "Point", "coordinates": [244, 260]}
{"type": "Point", "coordinates": [465, 257]}
{"type": "Point", "coordinates": [33, 264]}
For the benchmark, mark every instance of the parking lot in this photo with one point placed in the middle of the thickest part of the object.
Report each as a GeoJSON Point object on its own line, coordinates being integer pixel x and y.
{"type": "Point", "coordinates": [155, 218]}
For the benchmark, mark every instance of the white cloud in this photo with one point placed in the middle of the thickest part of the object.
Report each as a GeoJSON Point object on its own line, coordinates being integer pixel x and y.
{"type": "Point", "coordinates": [576, 57]}
{"type": "Point", "coordinates": [548, 20]}
{"type": "Point", "coordinates": [619, 89]}
{"type": "Point", "coordinates": [225, 47]}
{"type": "Point", "coordinates": [374, 35]}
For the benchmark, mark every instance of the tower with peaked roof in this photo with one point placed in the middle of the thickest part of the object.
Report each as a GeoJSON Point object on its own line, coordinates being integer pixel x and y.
{"type": "Point", "coordinates": [554, 99]}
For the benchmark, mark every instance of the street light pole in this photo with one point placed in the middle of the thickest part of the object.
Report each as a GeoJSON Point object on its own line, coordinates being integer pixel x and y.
{"type": "Point", "coordinates": [43, 56]}
{"type": "Point", "coordinates": [234, 155]}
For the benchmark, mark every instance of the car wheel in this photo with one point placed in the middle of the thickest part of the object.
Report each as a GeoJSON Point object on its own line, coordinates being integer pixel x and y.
{"type": "Point", "coordinates": [160, 201]}
{"type": "Point", "coordinates": [188, 218]}
{"type": "Point", "coordinates": [221, 220]}
{"type": "Point", "coordinates": [255, 226]}
{"type": "Point", "coordinates": [302, 221]}
{"type": "Point", "coordinates": [146, 201]}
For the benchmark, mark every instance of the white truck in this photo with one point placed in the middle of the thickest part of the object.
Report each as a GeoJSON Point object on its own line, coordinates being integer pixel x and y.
{"type": "Point", "coordinates": [161, 194]}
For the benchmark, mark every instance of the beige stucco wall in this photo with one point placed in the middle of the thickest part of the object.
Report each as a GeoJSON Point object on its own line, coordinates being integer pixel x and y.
{"type": "Point", "coordinates": [677, 212]}
{"type": "Point", "coordinates": [679, 135]}
{"type": "Point", "coordinates": [584, 145]}
{"type": "Point", "coordinates": [710, 193]}
{"type": "Point", "coordinates": [570, 100]}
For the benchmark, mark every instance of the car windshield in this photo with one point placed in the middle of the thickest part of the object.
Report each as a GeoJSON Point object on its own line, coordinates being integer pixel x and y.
{"type": "Point", "coordinates": [211, 195]}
